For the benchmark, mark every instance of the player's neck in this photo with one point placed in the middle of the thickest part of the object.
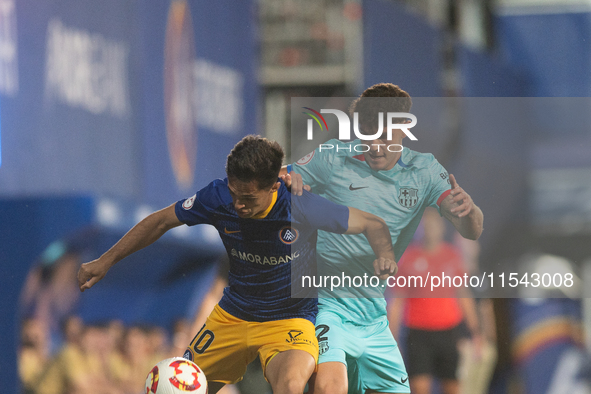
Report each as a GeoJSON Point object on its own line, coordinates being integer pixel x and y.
{"type": "Point", "coordinates": [269, 206]}
{"type": "Point", "coordinates": [394, 161]}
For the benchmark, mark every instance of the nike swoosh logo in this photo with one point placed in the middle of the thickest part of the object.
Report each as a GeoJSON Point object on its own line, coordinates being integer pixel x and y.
{"type": "Point", "coordinates": [230, 232]}
{"type": "Point", "coordinates": [356, 188]}
{"type": "Point", "coordinates": [404, 380]}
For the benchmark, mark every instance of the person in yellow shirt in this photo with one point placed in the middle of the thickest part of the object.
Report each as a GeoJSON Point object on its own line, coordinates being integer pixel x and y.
{"type": "Point", "coordinates": [81, 368]}
{"type": "Point", "coordinates": [33, 353]}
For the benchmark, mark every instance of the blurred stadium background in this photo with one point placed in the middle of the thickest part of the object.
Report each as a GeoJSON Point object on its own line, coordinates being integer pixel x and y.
{"type": "Point", "coordinates": [111, 109]}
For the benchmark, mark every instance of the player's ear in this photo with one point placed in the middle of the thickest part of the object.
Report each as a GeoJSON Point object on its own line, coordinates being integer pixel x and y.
{"type": "Point", "coordinates": [275, 187]}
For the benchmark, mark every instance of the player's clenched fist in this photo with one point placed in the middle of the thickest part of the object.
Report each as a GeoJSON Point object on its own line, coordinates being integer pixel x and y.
{"type": "Point", "coordinates": [384, 267]}
{"type": "Point", "coordinates": [90, 273]}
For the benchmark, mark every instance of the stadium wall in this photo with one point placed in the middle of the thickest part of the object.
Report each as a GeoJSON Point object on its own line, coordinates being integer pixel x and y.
{"type": "Point", "coordinates": [126, 98]}
{"type": "Point", "coordinates": [134, 101]}
{"type": "Point", "coordinates": [402, 48]}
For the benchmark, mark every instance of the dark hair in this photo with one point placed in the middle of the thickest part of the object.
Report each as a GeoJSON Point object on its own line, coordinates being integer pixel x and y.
{"type": "Point", "coordinates": [255, 158]}
{"type": "Point", "coordinates": [391, 99]}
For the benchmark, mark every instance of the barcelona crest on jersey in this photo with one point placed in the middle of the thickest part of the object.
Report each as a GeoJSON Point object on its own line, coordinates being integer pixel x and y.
{"type": "Point", "coordinates": [408, 197]}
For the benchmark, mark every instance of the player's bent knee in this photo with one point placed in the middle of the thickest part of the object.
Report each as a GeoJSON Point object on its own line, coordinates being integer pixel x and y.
{"type": "Point", "coordinates": [330, 385]}
{"type": "Point", "coordinates": [330, 389]}
{"type": "Point", "coordinates": [331, 379]}
{"type": "Point", "coordinates": [290, 386]}
{"type": "Point", "coordinates": [289, 371]}
{"type": "Point", "coordinates": [292, 381]}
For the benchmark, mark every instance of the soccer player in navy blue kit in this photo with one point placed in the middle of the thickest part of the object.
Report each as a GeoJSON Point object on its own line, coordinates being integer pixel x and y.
{"type": "Point", "coordinates": [268, 233]}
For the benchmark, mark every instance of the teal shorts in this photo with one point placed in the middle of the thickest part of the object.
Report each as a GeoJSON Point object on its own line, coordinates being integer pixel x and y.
{"type": "Point", "coordinates": [369, 352]}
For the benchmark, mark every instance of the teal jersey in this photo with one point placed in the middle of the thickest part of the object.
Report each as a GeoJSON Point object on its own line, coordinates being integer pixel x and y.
{"type": "Point", "coordinates": [399, 196]}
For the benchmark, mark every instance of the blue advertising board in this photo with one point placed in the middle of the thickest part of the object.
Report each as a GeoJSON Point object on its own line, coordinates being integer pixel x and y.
{"type": "Point", "coordinates": [131, 99]}
{"type": "Point", "coordinates": [126, 99]}
{"type": "Point", "coordinates": [411, 60]}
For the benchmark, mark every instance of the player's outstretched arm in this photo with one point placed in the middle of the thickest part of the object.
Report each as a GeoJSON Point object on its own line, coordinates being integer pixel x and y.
{"type": "Point", "coordinates": [378, 235]}
{"type": "Point", "coordinates": [461, 211]}
{"type": "Point", "coordinates": [141, 235]}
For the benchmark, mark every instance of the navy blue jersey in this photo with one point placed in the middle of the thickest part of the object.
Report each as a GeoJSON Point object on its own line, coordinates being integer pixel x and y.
{"type": "Point", "coordinates": [263, 252]}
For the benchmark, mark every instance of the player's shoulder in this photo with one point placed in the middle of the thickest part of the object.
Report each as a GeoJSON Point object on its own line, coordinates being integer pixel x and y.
{"type": "Point", "coordinates": [424, 163]}
{"type": "Point", "coordinates": [307, 197]}
{"type": "Point", "coordinates": [337, 148]}
{"type": "Point", "coordinates": [311, 204]}
{"type": "Point", "coordinates": [349, 149]}
{"type": "Point", "coordinates": [216, 186]}
{"type": "Point", "coordinates": [300, 203]}
{"type": "Point", "coordinates": [215, 193]}
{"type": "Point", "coordinates": [328, 153]}
{"type": "Point", "coordinates": [412, 158]}
{"type": "Point", "coordinates": [283, 193]}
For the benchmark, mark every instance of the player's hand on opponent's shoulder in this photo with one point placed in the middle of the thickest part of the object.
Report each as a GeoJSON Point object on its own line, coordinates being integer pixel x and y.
{"type": "Point", "coordinates": [91, 272]}
{"type": "Point", "coordinates": [295, 183]}
{"type": "Point", "coordinates": [383, 267]}
{"type": "Point", "coordinates": [461, 201]}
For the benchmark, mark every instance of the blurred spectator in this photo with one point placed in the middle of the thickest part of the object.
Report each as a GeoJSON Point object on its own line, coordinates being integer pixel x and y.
{"type": "Point", "coordinates": [72, 328]}
{"type": "Point", "coordinates": [33, 354]}
{"type": "Point", "coordinates": [98, 348]}
{"type": "Point", "coordinates": [477, 365]}
{"type": "Point", "coordinates": [181, 337]}
{"type": "Point", "coordinates": [103, 358]}
{"type": "Point", "coordinates": [51, 292]}
{"type": "Point", "coordinates": [158, 343]}
{"type": "Point", "coordinates": [137, 360]}
{"type": "Point", "coordinates": [433, 324]}
{"type": "Point", "coordinates": [81, 367]}
{"type": "Point", "coordinates": [116, 331]}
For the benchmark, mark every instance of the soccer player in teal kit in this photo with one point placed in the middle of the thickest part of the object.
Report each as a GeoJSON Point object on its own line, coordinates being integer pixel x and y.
{"type": "Point", "coordinates": [357, 351]}
{"type": "Point", "coordinates": [267, 233]}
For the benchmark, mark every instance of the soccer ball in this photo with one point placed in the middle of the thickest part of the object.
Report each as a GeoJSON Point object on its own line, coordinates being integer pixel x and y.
{"type": "Point", "coordinates": [176, 375]}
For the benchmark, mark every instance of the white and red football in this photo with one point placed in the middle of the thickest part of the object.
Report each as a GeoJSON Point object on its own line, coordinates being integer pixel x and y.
{"type": "Point", "coordinates": [174, 376]}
